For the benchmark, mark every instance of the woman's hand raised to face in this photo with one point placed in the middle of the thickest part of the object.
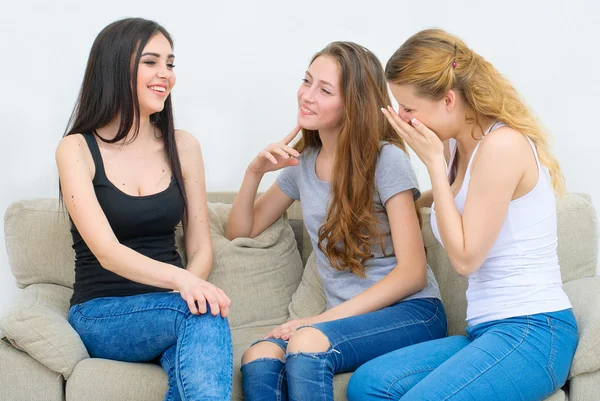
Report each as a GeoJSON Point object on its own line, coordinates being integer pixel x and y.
{"type": "Point", "coordinates": [423, 141]}
{"type": "Point", "coordinates": [276, 156]}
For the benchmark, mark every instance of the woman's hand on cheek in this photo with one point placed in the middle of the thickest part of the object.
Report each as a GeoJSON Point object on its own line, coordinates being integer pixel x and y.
{"type": "Point", "coordinates": [423, 141]}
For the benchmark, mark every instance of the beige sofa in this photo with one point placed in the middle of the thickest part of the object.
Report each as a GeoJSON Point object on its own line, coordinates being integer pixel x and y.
{"type": "Point", "coordinates": [42, 358]}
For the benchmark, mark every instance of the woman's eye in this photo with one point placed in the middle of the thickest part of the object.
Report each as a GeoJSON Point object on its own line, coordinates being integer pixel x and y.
{"type": "Point", "coordinates": [149, 62]}
{"type": "Point", "coordinates": [170, 65]}
{"type": "Point", "coordinates": [326, 91]}
{"type": "Point", "coordinates": [306, 81]}
{"type": "Point", "coordinates": [407, 110]}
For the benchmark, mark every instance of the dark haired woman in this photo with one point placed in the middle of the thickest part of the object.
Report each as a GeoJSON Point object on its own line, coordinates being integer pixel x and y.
{"type": "Point", "coordinates": [357, 190]}
{"type": "Point", "coordinates": [127, 179]}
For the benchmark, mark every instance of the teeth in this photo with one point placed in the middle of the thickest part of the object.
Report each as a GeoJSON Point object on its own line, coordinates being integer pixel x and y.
{"type": "Point", "coordinates": [158, 88]}
{"type": "Point", "coordinates": [307, 110]}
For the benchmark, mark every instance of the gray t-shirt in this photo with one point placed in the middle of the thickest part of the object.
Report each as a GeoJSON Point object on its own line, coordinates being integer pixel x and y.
{"type": "Point", "coordinates": [393, 174]}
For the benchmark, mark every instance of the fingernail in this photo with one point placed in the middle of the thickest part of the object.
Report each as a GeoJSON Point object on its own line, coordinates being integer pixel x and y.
{"type": "Point", "coordinates": [415, 122]}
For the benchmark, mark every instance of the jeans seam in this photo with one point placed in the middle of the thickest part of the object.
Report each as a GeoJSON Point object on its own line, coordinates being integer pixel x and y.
{"type": "Point", "coordinates": [495, 363]}
{"type": "Point", "coordinates": [279, 392]}
{"type": "Point", "coordinates": [127, 313]}
{"type": "Point", "coordinates": [552, 357]}
{"type": "Point", "coordinates": [183, 392]}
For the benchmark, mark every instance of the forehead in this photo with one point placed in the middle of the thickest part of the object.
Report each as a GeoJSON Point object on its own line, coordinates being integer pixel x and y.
{"type": "Point", "coordinates": [325, 68]}
{"type": "Point", "coordinates": [158, 44]}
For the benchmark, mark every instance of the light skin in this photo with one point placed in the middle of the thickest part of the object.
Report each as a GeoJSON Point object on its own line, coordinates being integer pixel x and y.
{"type": "Point", "coordinates": [140, 168]}
{"type": "Point", "coordinates": [503, 169]}
{"type": "Point", "coordinates": [320, 107]}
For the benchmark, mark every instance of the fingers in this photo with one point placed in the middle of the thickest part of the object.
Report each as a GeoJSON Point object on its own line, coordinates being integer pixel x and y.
{"type": "Point", "coordinates": [211, 299]}
{"type": "Point", "coordinates": [268, 156]}
{"type": "Point", "coordinates": [291, 151]}
{"type": "Point", "coordinates": [395, 121]}
{"type": "Point", "coordinates": [290, 137]}
{"type": "Point", "coordinates": [191, 303]}
{"type": "Point", "coordinates": [224, 302]}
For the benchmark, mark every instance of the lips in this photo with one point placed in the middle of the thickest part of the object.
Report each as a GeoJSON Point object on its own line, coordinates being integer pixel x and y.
{"type": "Point", "coordinates": [304, 110]}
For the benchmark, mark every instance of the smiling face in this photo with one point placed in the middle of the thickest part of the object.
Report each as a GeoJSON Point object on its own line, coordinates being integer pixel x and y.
{"type": "Point", "coordinates": [442, 116]}
{"type": "Point", "coordinates": [155, 75]}
{"type": "Point", "coordinates": [320, 102]}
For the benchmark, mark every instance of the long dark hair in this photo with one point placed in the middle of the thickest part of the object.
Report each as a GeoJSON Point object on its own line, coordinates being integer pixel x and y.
{"type": "Point", "coordinates": [109, 88]}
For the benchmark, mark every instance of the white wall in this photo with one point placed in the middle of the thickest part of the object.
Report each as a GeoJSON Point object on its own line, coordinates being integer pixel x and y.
{"type": "Point", "coordinates": [239, 65]}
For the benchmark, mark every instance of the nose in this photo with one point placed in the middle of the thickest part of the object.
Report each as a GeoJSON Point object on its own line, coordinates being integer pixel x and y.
{"type": "Point", "coordinates": [163, 72]}
{"type": "Point", "coordinates": [308, 95]}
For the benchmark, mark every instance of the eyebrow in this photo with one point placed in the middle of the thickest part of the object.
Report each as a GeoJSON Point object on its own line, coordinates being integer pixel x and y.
{"type": "Point", "coordinates": [157, 55]}
{"type": "Point", "coordinates": [325, 82]}
{"type": "Point", "coordinates": [405, 106]}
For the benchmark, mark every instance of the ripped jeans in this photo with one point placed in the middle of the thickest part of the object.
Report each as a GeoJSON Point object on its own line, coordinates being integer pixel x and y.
{"type": "Point", "coordinates": [353, 342]}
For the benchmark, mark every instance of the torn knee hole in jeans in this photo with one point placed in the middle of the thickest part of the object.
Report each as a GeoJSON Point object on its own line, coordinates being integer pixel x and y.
{"type": "Point", "coordinates": [315, 355]}
{"type": "Point", "coordinates": [264, 359]}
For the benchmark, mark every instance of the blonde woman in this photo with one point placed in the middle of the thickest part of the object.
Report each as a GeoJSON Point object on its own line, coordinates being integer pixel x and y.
{"type": "Point", "coordinates": [494, 182]}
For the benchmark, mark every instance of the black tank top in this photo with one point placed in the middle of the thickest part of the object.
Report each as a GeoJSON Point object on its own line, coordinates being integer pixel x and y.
{"type": "Point", "coordinates": [145, 224]}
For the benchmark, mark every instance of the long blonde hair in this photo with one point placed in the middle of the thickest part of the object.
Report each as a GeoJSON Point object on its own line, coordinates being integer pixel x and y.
{"type": "Point", "coordinates": [351, 226]}
{"type": "Point", "coordinates": [434, 62]}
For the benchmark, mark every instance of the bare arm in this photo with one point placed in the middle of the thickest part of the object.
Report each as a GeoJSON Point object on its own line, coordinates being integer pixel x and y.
{"type": "Point", "coordinates": [78, 192]}
{"type": "Point", "coordinates": [496, 171]}
{"type": "Point", "coordinates": [249, 218]}
{"type": "Point", "coordinates": [198, 244]}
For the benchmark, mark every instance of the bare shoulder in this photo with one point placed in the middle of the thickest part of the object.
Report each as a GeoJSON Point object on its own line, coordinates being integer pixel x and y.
{"type": "Point", "coordinates": [74, 148]}
{"type": "Point", "coordinates": [505, 144]}
{"type": "Point", "coordinates": [187, 144]}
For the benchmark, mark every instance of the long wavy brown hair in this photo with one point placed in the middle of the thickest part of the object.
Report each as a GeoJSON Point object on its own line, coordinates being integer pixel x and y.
{"type": "Point", "coordinates": [351, 226]}
{"type": "Point", "coordinates": [426, 60]}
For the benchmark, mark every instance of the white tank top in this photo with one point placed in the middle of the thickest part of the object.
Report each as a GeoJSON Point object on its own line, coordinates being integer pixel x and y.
{"type": "Point", "coordinates": [521, 275]}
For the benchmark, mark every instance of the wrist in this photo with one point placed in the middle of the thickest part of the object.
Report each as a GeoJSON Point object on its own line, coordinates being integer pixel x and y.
{"type": "Point", "coordinates": [437, 166]}
{"type": "Point", "coordinates": [251, 173]}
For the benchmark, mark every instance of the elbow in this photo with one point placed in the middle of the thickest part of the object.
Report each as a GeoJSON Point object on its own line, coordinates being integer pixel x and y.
{"type": "Point", "coordinates": [464, 268]}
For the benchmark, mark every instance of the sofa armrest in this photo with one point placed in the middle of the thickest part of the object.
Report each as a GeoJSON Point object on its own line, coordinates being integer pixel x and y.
{"type": "Point", "coordinates": [37, 324]}
{"type": "Point", "coordinates": [585, 298]}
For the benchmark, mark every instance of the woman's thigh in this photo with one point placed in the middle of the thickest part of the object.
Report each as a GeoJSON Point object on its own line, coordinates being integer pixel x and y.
{"type": "Point", "coordinates": [511, 359]}
{"type": "Point", "coordinates": [133, 329]}
{"type": "Point", "coordinates": [358, 339]}
{"type": "Point", "coordinates": [392, 375]}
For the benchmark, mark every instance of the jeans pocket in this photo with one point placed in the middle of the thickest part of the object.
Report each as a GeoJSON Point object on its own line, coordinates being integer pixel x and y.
{"type": "Point", "coordinates": [562, 348]}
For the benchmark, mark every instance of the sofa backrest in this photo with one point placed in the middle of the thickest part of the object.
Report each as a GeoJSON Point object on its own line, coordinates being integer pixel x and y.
{"type": "Point", "coordinates": [38, 244]}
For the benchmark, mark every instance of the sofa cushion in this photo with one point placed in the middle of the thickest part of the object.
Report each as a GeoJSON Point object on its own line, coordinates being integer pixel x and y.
{"type": "Point", "coordinates": [309, 299]}
{"type": "Point", "coordinates": [39, 243]}
{"type": "Point", "coordinates": [584, 295]}
{"type": "Point", "coordinates": [577, 237]}
{"type": "Point", "coordinates": [259, 274]}
{"type": "Point", "coordinates": [37, 323]}
{"type": "Point", "coordinates": [97, 379]}
{"type": "Point", "coordinates": [22, 378]}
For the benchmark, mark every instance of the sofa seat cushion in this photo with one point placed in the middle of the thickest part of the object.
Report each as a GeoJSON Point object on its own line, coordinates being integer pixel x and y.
{"type": "Point", "coordinates": [97, 379]}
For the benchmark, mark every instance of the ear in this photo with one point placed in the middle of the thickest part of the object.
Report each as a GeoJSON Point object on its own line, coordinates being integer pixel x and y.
{"type": "Point", "coordinates": [450, 100]}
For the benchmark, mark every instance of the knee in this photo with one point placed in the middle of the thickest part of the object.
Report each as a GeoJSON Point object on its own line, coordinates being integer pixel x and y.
{"type": "Point", "coordinates": [308, 339]}
{"type": "Point", "coordinates": [264, 349]}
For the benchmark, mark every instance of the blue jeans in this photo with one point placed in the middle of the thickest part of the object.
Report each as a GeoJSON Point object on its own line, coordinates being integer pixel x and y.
{"type": "Point", "coordinates": [194, 350]}
{"type": "Point", "coordinates": [520, 358]}
{"type": "Point", "coordinates": [353, 341]}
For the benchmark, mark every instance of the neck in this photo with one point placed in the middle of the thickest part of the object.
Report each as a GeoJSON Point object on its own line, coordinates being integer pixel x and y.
{"type": "Point", "coordinates": [470, 134]}
{"type": "Point", "coordinates": [146, 130]}
{"type": "Point", "coordinates": [329, 140]}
